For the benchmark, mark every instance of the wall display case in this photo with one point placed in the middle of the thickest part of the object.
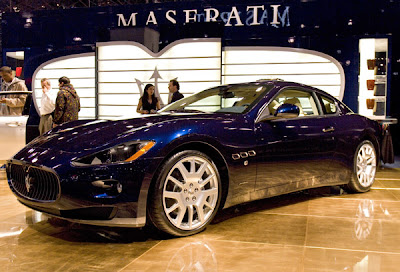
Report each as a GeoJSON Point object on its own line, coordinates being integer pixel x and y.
{"type": "Point", "coordinates": [373, 78]}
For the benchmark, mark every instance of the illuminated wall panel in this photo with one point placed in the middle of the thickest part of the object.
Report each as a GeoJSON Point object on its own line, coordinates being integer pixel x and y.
{"type": "Point", "coordinates": [86, 102]}
{"type": "Point", "coordinates": [119, 111]}
{"type": "Point", "coordinates": [243, 64]}
{"type": "Point", "coordinates": [188, 75]}
{"type": "Point", "coordinates": [150, 63]}
{"type": "Point", "coordinates": [124, 68]}
{"type": "Point", "coordinates": [81, 71]}
{"type": "Point", "coordinates": [87, 113]}
{"type": "Point", "coordinates": [118, 87]}
{"type": "Point", "coordinates": [119, 99]}
{"type": "Point", "coordinates": [312, 80]}
{"type": "Point", "coordinates": [281, 69]}
{"type": "Point", "coordinates": [192, 48]}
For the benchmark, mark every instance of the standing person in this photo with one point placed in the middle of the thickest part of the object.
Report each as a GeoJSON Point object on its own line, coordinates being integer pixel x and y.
{"type": "Point", "coordinates": [47, 106]}
{"type": "Point", "coordinates": [148, 103]}
{"type": "Point", "coordinates": [67, 103]}
{"type": "Point", "coordinates": [12, 104]}
{"type": "Point", "coordinates": [173, 88]}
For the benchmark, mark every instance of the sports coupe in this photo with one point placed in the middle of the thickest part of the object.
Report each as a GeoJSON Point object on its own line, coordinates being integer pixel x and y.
{"type": "Point", "coordinates": [217, 148]}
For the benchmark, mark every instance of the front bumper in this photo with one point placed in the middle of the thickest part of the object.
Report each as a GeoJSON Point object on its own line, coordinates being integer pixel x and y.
{"type": "Point", "coordinates": [114, 195]}
{"type": "Point", "coordinates": [100, 216]}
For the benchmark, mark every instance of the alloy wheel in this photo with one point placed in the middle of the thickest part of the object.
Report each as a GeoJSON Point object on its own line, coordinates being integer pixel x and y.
{"type": "Point", "coordinates": [190, 193]}
{"type": "Point", "coordinates": [366, 165]}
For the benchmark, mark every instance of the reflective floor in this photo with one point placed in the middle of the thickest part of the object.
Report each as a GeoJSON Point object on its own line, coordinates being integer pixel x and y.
{"type": "Point", "coordinates": [317, 230]}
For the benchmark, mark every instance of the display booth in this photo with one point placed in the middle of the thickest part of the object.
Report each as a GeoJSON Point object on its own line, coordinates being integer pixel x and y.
{"type": "Point", "coordinates": [110, 53]}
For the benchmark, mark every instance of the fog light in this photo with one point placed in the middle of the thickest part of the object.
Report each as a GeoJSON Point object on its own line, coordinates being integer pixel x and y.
{"type": "Point", "coordinates": [119, 187]}
{"type": "Point", "coordinates": [109, 188]}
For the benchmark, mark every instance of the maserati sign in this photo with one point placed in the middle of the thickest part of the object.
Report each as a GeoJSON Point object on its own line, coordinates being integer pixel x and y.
{"type": "Point", "coordinates": [253, 15]}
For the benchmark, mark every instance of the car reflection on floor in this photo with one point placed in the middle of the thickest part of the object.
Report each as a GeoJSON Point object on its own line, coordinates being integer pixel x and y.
{"type": "Point", "coordinates": [318, 230]}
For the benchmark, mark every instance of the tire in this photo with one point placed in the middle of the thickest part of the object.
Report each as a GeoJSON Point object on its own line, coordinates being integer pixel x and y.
{"type": "Point", "coordinates": [364, 169]}
{"type": "Point", "coordinates": [186, 195]}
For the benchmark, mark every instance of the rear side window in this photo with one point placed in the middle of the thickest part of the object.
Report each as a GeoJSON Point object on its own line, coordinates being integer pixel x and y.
{"type": "Point", "coordinates": [328, 105]}
{"type": "Point", "coordinates": [344, 108]}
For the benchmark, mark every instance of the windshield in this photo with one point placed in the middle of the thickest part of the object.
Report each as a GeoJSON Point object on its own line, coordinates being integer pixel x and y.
{"type": "Point", "coordinates": [227, 99]}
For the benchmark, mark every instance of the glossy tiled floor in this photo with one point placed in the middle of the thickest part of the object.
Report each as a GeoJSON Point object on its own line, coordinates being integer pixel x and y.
{"type": "Point", "coordinates": [318, 230]}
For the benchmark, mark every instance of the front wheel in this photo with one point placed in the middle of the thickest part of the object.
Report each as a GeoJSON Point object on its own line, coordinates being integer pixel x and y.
{"type": "Point", "coordinates": [365, 163]}
{"type": "Point", "coordinates": [186, 195]}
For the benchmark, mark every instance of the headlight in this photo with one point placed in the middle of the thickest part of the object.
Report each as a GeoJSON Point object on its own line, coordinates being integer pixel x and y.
{"type": "Point", "coordinates": [118, 154]}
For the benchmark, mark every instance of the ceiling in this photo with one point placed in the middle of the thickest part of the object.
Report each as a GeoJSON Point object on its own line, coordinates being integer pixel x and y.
{"type": "Point", "coordinates": [31, 5]}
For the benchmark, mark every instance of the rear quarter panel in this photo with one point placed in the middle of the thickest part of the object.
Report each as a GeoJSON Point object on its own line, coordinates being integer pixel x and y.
{"type": "Point", "coordinates": [350, 130]}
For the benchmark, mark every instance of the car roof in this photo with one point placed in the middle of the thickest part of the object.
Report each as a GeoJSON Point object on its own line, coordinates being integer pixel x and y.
{"type": "Point", "coordinates": [275, 82]}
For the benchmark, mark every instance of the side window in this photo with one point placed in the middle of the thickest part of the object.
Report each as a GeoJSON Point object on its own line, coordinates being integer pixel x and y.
{"type": "Point", "coordinates": [343, 108]}
{"type": "Point", "coordinates": [302, 99]}
{"type": "Point", "coordinates": [328, 105]}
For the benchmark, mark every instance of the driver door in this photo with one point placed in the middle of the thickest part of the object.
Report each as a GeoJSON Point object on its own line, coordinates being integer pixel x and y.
{"type": "Point", "coordinates": [294, 152]}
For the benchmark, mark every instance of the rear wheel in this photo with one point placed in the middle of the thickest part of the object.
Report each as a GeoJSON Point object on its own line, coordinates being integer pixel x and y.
{"type": "Point", "coordinates": [186, 195]}
{"type": "Point", "coordinates": [365, 163]}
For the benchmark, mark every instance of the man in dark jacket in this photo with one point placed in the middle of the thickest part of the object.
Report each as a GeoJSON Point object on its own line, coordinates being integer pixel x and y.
{"type": "Point", "coordinates": [67, 102]}
{"type": "Point", "coordinates": [173, 88]}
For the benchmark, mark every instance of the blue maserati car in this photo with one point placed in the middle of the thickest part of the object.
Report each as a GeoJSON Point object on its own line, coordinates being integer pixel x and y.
{"type": "Point", "coordinates": [215, 149]}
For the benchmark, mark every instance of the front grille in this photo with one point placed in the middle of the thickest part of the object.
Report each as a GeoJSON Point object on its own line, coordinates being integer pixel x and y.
{"type": "Point", "coordinates": [33, 183]}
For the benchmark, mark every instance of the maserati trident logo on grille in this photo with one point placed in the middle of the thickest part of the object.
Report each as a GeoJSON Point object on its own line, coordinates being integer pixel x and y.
{"type": "Point", "coordinates": [28, 183]}
{"type": "Point", "coordinates": [28, 180]}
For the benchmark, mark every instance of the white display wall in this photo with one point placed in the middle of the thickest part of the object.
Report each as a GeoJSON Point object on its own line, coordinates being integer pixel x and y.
{"type": "Point", "coordinates": [80, 69]}
{"type": "Point", "coordinates": [241, 64]}
{"type": "Point", "coordinates": [124, 68]}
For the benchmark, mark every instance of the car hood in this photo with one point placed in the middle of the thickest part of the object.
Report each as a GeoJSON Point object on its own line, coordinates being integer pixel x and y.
{"type": "Point", "coordinates": [95, 134]}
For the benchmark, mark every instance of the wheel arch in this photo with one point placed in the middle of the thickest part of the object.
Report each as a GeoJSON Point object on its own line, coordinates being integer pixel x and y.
{"type": "Point", "coordinates": [371, 136]}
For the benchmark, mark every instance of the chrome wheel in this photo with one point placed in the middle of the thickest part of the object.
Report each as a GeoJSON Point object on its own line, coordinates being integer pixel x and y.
{"type": "Point", "coordinates": [190, 193]}
{"type": "Point", "coordinates": [366, 164]}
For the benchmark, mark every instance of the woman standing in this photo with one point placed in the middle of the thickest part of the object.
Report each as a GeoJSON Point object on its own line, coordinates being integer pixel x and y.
{"type": "Point", "coordinates": [148, 103]}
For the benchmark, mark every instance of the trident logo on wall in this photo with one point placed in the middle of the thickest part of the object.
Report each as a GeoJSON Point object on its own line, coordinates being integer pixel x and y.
{"type": "Point", "coordinates": [156, 75]}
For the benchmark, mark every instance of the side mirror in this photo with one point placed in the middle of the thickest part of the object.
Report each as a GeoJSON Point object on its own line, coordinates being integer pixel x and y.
{"type": "Point", "coordinates": [283, 111]}
{"type": "Point", "coordinates": [287, 111]}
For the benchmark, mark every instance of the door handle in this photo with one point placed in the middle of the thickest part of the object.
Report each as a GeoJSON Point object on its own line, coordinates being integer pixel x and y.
{"type": "Point", "coordinates": [328, 129]}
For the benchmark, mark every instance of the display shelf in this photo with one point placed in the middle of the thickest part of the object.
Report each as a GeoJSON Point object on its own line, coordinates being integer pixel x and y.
{"type": "Point", "coordinates": [373, 78]}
